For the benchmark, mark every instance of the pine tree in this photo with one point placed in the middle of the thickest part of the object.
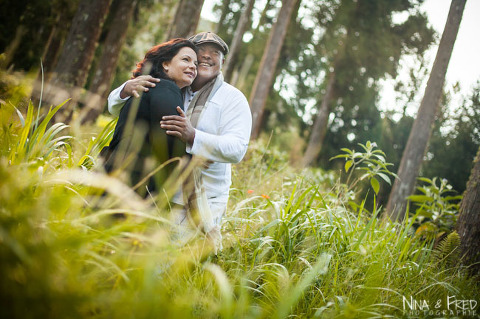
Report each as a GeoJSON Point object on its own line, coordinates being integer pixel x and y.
{"type": "Point", "coordinates": [77, 54]}
{"type": "Point", "coordinates": [224, 10]}
{"type": "Point", "coordinates": [360, 46]}
{"type": "Point", "coordinates": [104, 73]}
{"type": "Point", "coordinates": [264, 78]}
{"type": "Point", "coordinates": [319, 128]}
{"type": "Point", "coordinates": [186, 19]}
{"type": "Point", "coordinates": [420, 134]}
{"type": "Point", "coordinates": [237, 40]}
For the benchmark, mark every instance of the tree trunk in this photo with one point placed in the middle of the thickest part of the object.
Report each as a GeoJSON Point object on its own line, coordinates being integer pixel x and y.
{"type": "Point", "coordinates": [108, 60]}
{"type": "Point", "coordinates": [237, 40]}
{"type": "Point", "coordinates": [263, 17]}
{"type": "Point", "coordinates": [49, 59]}
{"type": "Point", "coordinates": [186, 19]}
{"type": "Point", "coordinates": [223, 15]}
{"type": "Point", "coordinates": [319, 128]}
{"type": "Point", "coordinates": [264, 78]}
{"type": "Point", "coordinates": [420, 134]}
{"type": "Point", "coordinates": [62, 13]}
{"type": "Point", "coordinates": [78, 51]}
{"type": "Point", "coordinates": [43, 74]}
{"type": "Point", "coordinates": [13, 46]}
{"type": "Point", "coordinates": [468, 224]}
{"type": "Point", "coordinates": [52, 50]}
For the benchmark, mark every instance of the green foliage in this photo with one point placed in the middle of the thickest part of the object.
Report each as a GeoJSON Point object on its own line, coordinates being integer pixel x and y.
{"type": "Point", "coordinates": [292, 245]}
{"type": "Point", "coordinates": [96, 144]}
{"type": "Point", "coordinates": [365, 262]}
{"type": "Point", "coordinates": [447, 253]}
{"type": "Point", "coordinates": [15, 87]}
{"type": "Point", "coordinates": [28, 27]}
{"type": "Point", "coordinates": [436, 205]}
{"type": "Point", "coordinates": [229, 12]}
{"type": "Point", "coordinates": [37, 142]}
{"type": "Point", "coordinates": [455, 134]}
{"type": "Point", "coordinates": [371, 163]}
{"type": "Point", "coordinates": [363, 45]}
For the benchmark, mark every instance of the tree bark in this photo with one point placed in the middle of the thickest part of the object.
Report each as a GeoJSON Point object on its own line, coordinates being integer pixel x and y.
{"type": "Point", "coordinates": [108, 60]}
{"type": "Point", "coordinates": [239, 78]}
{"type": "Point", "coordinates": [319, 128]}
{"type": "Point", "coordinates": [78, 51]}
{"type": "Point", "coordinates": [468, 224]}
{"type": "Point", "coordinates": [186, 19]}
{"type": "Point", "coordinates": [237, 40]}
{"type": "Point", "coordinates": [13, 46]}
{"type": "Point", "coordinates": [420, 134]}
{"type": "Point", "coordinates": [62, 13]}
{"type": "Point", "coordinates": [264, 78]}
{"type": "Point", "coordinates": [48, 60]}
{"type": "Point", "coordinates": [52, 51]}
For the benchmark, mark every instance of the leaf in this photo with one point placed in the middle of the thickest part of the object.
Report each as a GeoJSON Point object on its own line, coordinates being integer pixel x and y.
{"type": "Point", "coordinates": [339, 156]}
{"type": "Point", "coordinates": [363, 176]}
{"type": "Point", "coordinates": [426, 180]}
{"type": "Point", "coordinates": [22, 120]}
{"type": "Point", "coordinates": [348, 164]}
{"type": "Point", "coordinates": [385, 178]}
{"type": "Point", "coordinates": [375, 185]}
{"type": "Point", "coordinates": [449, 198]}
{"type": "Point", "coordinates": [420, 198]}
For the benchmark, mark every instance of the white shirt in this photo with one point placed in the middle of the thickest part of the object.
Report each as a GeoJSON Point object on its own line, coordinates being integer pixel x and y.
{"type": "Point", "coordinates": [222, 135]}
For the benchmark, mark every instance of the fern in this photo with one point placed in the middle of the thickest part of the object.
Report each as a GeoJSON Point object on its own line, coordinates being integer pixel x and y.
{"type": "Point", "coordinates": [447, 252]}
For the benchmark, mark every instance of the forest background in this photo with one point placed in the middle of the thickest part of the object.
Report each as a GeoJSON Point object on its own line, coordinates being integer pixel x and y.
{"type": "Point", "coordinates": [314, 73]}
{"type": "Point", "coordinates": [364, 107]}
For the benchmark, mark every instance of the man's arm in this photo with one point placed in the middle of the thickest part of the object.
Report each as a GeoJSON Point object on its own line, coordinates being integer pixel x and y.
{"type": "Point", "coordinates": [231, 143]}
{"type": "Point", "coordinates": [120, 95]}
{"type": "Point", "coordinates": [229, 146]}
{"type": "Point", "coordinates": [115, 102]}
{"type": "Point", "coordinates": [179, 126]}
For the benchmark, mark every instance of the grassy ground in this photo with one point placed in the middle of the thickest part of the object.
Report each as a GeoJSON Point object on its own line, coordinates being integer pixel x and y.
{"type": "Point", "coordinates": [295, 245]}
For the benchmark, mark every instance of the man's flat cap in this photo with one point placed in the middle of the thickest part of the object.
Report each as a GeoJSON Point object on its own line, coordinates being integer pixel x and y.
{"type": "Point", "coordinates": [209, 37]}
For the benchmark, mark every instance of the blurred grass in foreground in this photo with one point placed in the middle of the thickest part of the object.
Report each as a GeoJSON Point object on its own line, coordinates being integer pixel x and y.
{"type": "Point", "coordinates": [294, 244]}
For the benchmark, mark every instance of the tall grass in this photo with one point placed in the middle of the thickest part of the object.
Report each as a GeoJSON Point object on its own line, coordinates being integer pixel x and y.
{"type": "Point", "coordinates": [293, 244]}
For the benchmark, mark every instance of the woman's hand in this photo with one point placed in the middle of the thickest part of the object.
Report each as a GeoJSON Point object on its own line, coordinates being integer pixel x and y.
{"type": "Point", "coordinates": [179, 126]}
{"type": "Point", "coordinates": [139, 84]}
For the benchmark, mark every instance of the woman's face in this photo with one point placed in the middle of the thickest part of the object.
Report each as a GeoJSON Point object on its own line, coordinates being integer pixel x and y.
{"type": "Point", "coordinates": [182, 69]}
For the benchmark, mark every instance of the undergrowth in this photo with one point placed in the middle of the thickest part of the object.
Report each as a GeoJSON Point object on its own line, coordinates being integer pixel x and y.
{"type": "Point", "coordinates": [294, 243]}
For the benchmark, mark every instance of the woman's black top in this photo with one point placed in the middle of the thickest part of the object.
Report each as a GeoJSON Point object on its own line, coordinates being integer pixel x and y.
{"type": "Point", "coordinates": [145, 138]}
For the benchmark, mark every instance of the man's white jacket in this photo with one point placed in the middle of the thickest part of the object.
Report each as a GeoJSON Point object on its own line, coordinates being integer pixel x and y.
{"type": "Point", "coordinates": [221, 136]}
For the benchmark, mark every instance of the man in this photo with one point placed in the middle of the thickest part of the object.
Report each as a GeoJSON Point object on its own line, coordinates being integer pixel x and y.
{"type": "Point", "coordinates": [221, 119]}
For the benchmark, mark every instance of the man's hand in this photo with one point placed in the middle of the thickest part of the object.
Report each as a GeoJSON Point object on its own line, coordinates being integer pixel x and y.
{"type": "Point", "coordinates": [179, 126]}
{"type": "Point", "coordinates": [139, 84]}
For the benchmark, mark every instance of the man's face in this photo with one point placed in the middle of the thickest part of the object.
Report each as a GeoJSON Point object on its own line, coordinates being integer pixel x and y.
{"type": "Point", "coordinates": [210, 60]}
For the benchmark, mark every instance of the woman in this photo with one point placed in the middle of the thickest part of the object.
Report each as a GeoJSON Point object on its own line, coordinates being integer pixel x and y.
{"type": "Point", "coordinates": [138, 135]}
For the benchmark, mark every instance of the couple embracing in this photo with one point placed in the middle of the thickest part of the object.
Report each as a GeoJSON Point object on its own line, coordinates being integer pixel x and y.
{"type": "Point", "coordinates": [186, 109]}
